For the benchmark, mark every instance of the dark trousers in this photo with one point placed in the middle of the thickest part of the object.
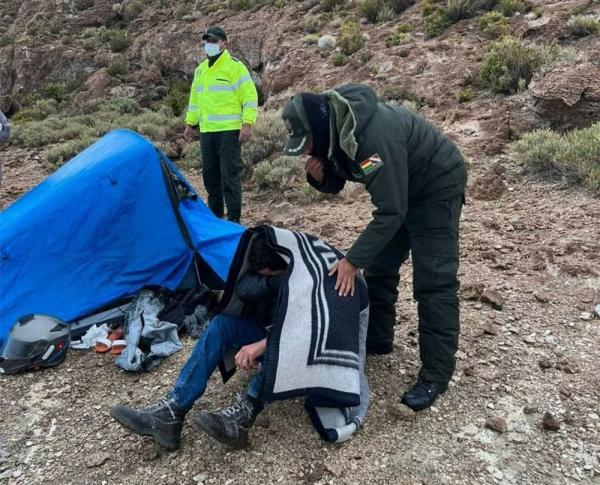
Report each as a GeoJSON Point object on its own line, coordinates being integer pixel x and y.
{"type": "Point", "coordinates": [430, 233]}
{"type": "Point", "coordinates": [221, 163]}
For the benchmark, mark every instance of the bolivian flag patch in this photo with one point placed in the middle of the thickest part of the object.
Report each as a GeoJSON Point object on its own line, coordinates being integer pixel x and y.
{"type": "Point", "coordinates": [371, 164]}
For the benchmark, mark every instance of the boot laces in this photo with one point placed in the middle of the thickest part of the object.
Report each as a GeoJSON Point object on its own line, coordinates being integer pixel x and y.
{"type": "Point", "coordinates": [159, 405]}
{"type": "Point", "coordinates": [240, 406]}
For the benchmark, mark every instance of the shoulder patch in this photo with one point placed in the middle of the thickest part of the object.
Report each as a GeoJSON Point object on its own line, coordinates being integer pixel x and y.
{"type": "Point", "coordinates": [371, 164]}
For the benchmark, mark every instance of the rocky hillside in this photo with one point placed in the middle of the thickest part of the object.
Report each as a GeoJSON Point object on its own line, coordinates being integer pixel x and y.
{"type": "Point", "coordinates": [76, 51]}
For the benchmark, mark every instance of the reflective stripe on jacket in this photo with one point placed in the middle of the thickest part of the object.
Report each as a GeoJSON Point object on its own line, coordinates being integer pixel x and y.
{"type": "Point", "coordinates": [222, 97]}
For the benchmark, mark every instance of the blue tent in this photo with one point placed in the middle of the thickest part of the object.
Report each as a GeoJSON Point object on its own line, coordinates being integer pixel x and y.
{"type": "Point", "coordinates": [116, 218]}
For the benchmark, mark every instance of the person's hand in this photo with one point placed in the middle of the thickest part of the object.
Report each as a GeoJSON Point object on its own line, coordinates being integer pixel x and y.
{"type": "Point", "coordinates": [245, 133]}
{"type": "Point", "coordinates": [315, 168]}
{"type": "Point", "coordinates": [346, 276]}
{"type": "Point", "coordinates": [190, 133]}
{"type": "Point", "coordinates": [246, 358]}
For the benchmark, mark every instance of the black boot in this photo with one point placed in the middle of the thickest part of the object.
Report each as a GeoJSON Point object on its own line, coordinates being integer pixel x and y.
{"type": "Point", "coordinates": [230, 425]}
{"type": "Point", "coordinates": [423, 394]}
{"type": "Point", "coordinates": [162, 421]}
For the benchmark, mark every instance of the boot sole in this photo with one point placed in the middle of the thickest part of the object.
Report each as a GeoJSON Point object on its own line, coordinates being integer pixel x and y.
{"type": "Point", "coordinates": [208, 429]}
{"type": "Point", "coordinates": [143, 430]}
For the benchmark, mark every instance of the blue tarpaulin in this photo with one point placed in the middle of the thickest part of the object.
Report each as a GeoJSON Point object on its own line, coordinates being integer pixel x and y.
{"type": "Point", "coordinates": [116, 218]}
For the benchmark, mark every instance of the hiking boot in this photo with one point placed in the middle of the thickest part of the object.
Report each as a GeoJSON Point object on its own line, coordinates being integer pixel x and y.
{"type": "Point", "coordinates": [230, 425]}
{"type": "Point", "coordinates": [423, 394]}
{"type": "Point", "coordinates": [162, 421]}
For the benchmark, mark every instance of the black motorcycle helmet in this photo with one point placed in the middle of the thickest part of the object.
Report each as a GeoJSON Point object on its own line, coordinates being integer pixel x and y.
{"type": "Point", "coordinates": [35, 341]}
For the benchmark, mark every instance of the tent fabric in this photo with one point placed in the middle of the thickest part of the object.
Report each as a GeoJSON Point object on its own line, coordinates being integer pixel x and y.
{"type": "Point", "coordinates": [102, 227]}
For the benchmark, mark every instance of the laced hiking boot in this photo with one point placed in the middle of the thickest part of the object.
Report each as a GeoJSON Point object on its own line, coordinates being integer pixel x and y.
{"type": "Point", "coordinates": [230, 425]}
{"type": "Point", "coordinates": [161, 420]}
{"type": "Point", "coordinates": [423, 394]}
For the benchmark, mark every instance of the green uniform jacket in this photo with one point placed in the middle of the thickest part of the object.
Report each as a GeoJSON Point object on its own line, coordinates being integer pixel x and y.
{"type": "Point", "coordinates": [402, 160]}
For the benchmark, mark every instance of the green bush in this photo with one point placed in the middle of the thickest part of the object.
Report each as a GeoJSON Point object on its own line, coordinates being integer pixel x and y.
{"type": "Point", "coordinates": [311, 24]}
{"type": "Point", "coordinates": [510, 7]}
{"type": "Point", "coordinates": [397, 38]}
{"type": "Point", "coordinates": [63, 153]}
{"type": "Point", "coordinates": [268, 138]}
{"type": "Point", "coordinates": [339, 59]}
{"type": "Point", "coordinates": [400, 6]}
{"type": "Point", "coordinates": [81, 5]}
{"type": "Point", "coordinates": [192, 157]}
{"type": "Point", "coordinates": [119, 40]}
{"type": "Point", "coordinates": [278, 173]}
{"type": "Point", "coordinates": [464, 95]}
{"type": "Point", "coordinates": [508, 65]}
{"type": "Point", "coordinates": [436, 23]}
{"type": "Point", "coordinates": [332, 5]}
{"type": "Point", "coordinates": [583, 25]}
{"type": "Point", "coordinates": [575, 154]}
{"type": "Point", "coordinates": [132, 10]}
{"type": "Point", "coordinates": [400, 94]}
{"type": "Point", "coordinates": [177, 97]}
{"type": "Point", "coordinates": [57, 91]}
{"type": "Point", "coordinates": [252, 4]}
{"type": "Point", "coordinates": [493, 24]}
{"type": "Point", "coordinates": [456, 10]}
{"type": "Point", "coordinates": [310, 39]}
{"type": "Point", "coordinates": [118, 67]}
{"type": "Point", "coordinates": [350, 38]}
{"type": "Point", "coordinates": [369, 9]}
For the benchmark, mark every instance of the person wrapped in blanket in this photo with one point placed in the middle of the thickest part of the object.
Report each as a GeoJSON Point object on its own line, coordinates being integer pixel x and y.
{"type": "Point", "coordinates": [258, 288]}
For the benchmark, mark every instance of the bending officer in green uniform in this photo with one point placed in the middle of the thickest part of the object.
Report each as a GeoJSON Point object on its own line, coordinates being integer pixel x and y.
{"type": "Point", "coordinates": [416, 177]}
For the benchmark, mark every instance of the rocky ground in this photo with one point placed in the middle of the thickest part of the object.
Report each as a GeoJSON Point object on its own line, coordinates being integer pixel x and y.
{"type": "Point", "coordinates": [523, 406]}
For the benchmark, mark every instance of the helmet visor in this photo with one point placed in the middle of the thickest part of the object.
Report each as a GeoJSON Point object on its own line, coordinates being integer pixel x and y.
{"type": "Point", "coordinates": [17, 349]}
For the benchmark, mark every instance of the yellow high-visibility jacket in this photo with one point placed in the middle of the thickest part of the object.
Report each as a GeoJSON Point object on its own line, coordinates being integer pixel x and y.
{"type": "Point", "coordinates": [223, 96]}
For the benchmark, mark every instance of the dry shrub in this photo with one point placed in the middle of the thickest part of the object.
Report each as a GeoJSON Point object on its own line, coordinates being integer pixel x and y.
{"type": "Point", "coordinates": [574, 155]}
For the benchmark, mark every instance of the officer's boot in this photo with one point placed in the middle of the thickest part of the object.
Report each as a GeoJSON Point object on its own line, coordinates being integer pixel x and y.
{"type": "Point", "coordinates": [231, 424]}
{"type": "Point", "coordinates": [423, 394]}
{"type": "Point", "coordinates": [162, 421]}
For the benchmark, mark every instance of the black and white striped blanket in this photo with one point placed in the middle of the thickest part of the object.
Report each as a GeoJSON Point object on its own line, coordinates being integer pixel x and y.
{"type": "Point", "coordinates": [316, 344]}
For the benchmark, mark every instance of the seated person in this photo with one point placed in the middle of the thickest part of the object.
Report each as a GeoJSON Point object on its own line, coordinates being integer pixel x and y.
{"type": "Point", "coordinates": [258, 288]}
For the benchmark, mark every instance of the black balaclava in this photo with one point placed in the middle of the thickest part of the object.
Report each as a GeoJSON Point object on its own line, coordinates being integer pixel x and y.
{"type": "Point", "coordinates": [317, 112]}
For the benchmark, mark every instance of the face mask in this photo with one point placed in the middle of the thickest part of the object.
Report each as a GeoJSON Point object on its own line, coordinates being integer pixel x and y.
{"type": "Point", "coordinates": [211, 49]}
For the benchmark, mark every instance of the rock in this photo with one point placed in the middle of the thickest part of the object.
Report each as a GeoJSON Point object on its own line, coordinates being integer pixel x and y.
{"type": "Point", "coordinates": [550, 422]}
{"type": "Point", "coordinates": [529, 339]}
{"type": "Point", "coordinates": [585, 316]}
{"type": "Point", "coordinates": [469, 371]}
{"type": "Point", "coordinates": [401, 412]}
{"type": "Point", "coordinates": [263, 421]}
{"type": "Point", "coordinates": [471, 292]}
{"type": "Point", "coordinates": [493, 298]}
{"type": "Point", "coordinates": [327, 42]}
{"type": "Point", "coordinates": [200, 478]}
{"type": "Point", "coordinates": [490, 330]}
{"type": "Point", "coordinates": [597, 310]}
{"type": "Point", "coordinates": [545, 363]}
{"type": "Point", "coordinates": [568, 96]}
{"type": "Point", "coordinates": [328, 230]}
{"type": "Point", "coordinates": [496, 424]}
{"type": "Point", "coordinates": [569, 418]}
{"type": "Point", "coordinates": [529, 409]}
{"type": "Point", "coordinates": [491, 185]}
{"type": "Point", "coordinates": [541, 297]}
{"type": "Point", "coordinates": [97, 459]}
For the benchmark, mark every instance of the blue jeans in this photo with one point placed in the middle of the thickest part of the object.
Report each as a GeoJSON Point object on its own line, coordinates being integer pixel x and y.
{"type": "Point", "coordinates": [223, 332]}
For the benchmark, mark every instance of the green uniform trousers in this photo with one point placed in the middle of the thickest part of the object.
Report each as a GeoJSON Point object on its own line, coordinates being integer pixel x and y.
{"type": "Point", "coordinates": [430, 233]}
{"type": "Point", "coordinates": [221, 152]}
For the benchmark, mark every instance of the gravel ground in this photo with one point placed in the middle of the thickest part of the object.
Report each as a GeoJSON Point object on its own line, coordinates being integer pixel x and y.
{"type": "Point", "coordinates": [527, 365]}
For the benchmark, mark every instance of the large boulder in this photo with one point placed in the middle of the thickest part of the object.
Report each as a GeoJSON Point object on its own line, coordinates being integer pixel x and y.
{"type": "Point", "coordinates": [568, 96]}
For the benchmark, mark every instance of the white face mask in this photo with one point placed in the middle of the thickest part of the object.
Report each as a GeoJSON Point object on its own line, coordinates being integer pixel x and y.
{"type": "Point", "coordinates": [211, 49]}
